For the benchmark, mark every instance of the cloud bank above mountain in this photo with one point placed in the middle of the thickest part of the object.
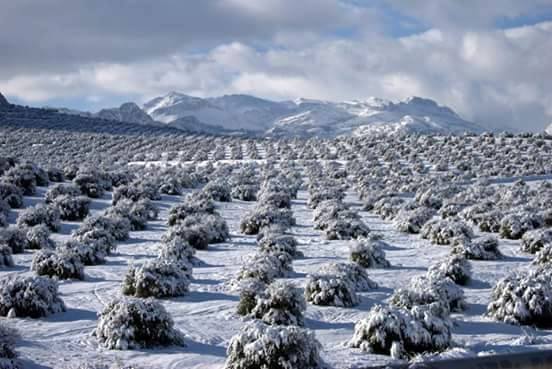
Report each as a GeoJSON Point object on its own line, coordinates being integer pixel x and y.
{"type": "Point", "coordinates": [489, 61]}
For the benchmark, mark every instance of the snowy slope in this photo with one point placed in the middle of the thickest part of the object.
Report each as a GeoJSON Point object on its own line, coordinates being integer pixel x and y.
{"type": "Point", "coordinates": [230, 111]}
{"type": "Point", "coordinates": [413, 115]}
{"type": "Point", "coordinates": [307, 118]}
{"type": "Point", "coordinates": [549, 129]}
{"type": "Point", "coordinates": [128, 112]}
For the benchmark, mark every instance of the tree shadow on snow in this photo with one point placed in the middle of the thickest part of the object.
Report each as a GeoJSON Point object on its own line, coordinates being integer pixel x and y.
{"type": "Point", "coordinates": [203, 296]}
{"type": "Point", "coordinates": [517, 259]}
{"type": "Point", "coordinates": [477, 284]}
{"type": "Point", "coordinates": [73, 314]}
{"type": "Point", "coordinates": [492, 327]}
{"type": "Point", "coordinates": [206, 281]}
{"type": "Point", "coordinates": [389, 247]}
{"type": "Point", "coordinates": [28, 364]}
{"type": "Point", "coordinates": [204, 348]}
{"type": "Point", "coordinates": [319, 324]}
{"type": "Point", "coordinates": [404, 267]}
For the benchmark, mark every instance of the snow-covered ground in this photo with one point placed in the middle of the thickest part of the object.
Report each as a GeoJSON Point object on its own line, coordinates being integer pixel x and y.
{"type": "Point", "coordinates": [207, 315]}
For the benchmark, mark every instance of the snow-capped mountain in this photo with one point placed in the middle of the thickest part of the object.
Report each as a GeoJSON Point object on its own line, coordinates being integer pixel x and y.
{"type": "Point", "coordinates": [233, 112]}
{"type": "Point", "coordinates": [239, 114]}
{"type": "Point", "coordinates": [549, 129]}
{"type": "Point", "coordinates": [307, 117]}
{"type": "Point", "coordinates": [413, 115]}
{"type": "Point", "coordinates": [127, 112]}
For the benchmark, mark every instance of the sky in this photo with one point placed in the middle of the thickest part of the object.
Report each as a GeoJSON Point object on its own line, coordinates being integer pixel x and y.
{"type": "Point", "coordinates": [491, 61]}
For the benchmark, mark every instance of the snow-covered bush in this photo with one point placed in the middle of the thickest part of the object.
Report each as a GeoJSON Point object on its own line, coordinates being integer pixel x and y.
{"type": "Point", "coordinates": [326, 211]}
{"type": "Point", "coordinates": [138, 213]}
{"type": "Point", "coordinates": [6, 259]}
{"type": "Point", "coordinates": [271, 230]}
{"type": "Point", "coordinates": [346, 229]}
{"type": "Point", "coordinates": [455, 266]}
{"type": "Point", "coordinates": [428, 289]}
{"type": "Point", "coordinates": [412, 220]}
{"type": "Point", "coordinates": [387, 207]}
{"type": "Point", "coordinates": [101, 242]}
{"type": "Point", "coordinates": [434, 197]}
{"type": "Point", "coordinates": [245, 192]}
{"type": "Point", "coordinates": [29, 296]}
{"type": "Point", "coordinates": [482, 248]}
{"type": "Point", "coordinates": [170, 185]}
{"type": "Point", "coordinates": [264, 216]}
{"type": "Point", "coordinates": [136, 191]}
{"type": "Point", "coordinates": [72, 207]}
{"type": "Point", "coordinates": [8, 355]}
{"type": "Point", "coordinates": [443, 232]}
{"type": "Point", "coordinates": [249, 289]}
{"type": "Point", "coordinates": [217, 191]}
{"type": "Point", "coordinates": [12, 194]}
{"type": "Point", "coordinates": [354, 272]}
{"type": "Point", "coordinates": [178, 251]}
{"type": "Point", "coordinates": [70, 171]}
{"type": "Point", "coordinates": [157, 278]}
{"type": "Point", "coordinates": [489, 221]}
{"type": "Point", "coordinates": [523, 297]}
{"type": "Point", "coordinates": [320, 194]}
{"type": "Point", "coordinates": [191, 206]}
{"type": "Point", "coordinates": [543, 257]}
{"type": "Point", "coordinates": [533, 241]}
{"type": "Point", "coordinates": [22, 177]}
{"type": "Point", "coordinates": [369, 253]}
{"type": "Point", "coordinates": [451, 210]}
{"type": "Point", "coordinates": [279, 199]}
{"type": "Point", "coordinates": [281, 304]}
{"type": "Point", "coordinates": [4, 213]}
{"type": "Point", "coordinates": [279, 243]}
{"type": "Point", "coordinates": [332, 290]}
{"type": "Point", "coordinates": [40, 214]}
{"type": "Point", "coordinates": [132, 323]}
{"type": "Point", "coordinates": [263, 267]}
{"type": "Point", "coordinates": [90, 185]}
{"type": "Point", "coordinates": [61, 189]}
{"type": "Point", "coordinates": [259, 345]}
{"type": "Point", "coordinates": [38, 237]}
{"type": "Point", "coordinates": [15, 238]}
{"type": "Point", "coordinates": [404, 333]}
{"type": "Point", "coordinates": [196, 237]}
{"type": "Point", "coordinates": [59, 263]}
{"type": "Point", "coordinates": [213, 225]}
{"type": "Point", "coordinates": [55, 175]}
{"type": "Point", "coordinates": [116, 226]}
{"type": "Point", "coordinates": [513, 226]}
{"type": "Point", "coordinates": [90, 251]}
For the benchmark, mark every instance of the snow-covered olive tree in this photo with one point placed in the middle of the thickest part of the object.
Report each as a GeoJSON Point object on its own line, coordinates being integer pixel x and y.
{"type": "Point", "coordinates": [133, 323]}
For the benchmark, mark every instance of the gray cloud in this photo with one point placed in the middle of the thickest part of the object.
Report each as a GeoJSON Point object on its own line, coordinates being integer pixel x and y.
{"type": "Point", "coordinates": [57, 35]}
{"type": "Point", "coordinates": [283, 49]}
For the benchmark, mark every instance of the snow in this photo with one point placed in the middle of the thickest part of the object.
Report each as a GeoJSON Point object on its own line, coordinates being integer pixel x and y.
{"type": "Point", "coordinates": [308, 117]}
{"type": "Point", "coordinates": [207, 313]}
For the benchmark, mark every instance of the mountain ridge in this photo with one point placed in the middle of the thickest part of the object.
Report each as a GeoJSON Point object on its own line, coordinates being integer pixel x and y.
{"type": "Point", "coordinates": [309, 117]}
{"type": "Point", "coordinates": [302, 117]}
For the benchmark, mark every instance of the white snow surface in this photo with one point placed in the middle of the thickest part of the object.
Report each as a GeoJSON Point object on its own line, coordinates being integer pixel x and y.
{"type": "Point", "coordinates": [206, 315]}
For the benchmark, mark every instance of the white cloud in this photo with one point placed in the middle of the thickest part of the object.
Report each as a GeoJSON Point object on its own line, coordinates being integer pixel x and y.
{"type": "Point", "coordinates": [495, 77]}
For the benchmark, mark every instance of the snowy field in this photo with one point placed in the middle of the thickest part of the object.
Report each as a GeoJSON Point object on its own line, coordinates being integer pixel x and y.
{"type": "Point", "coordinates": [414, 214]}
{"type": "Point", "coordinates": [207, 314]}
